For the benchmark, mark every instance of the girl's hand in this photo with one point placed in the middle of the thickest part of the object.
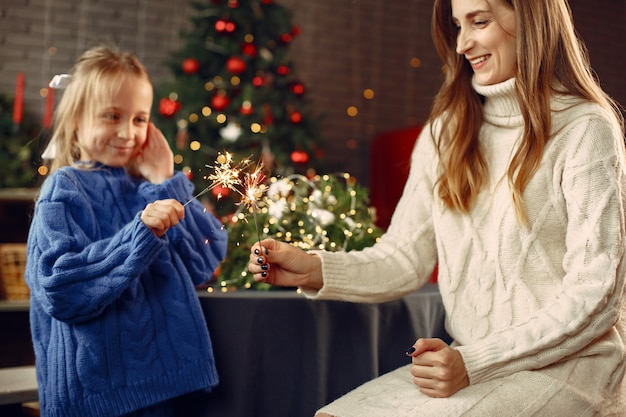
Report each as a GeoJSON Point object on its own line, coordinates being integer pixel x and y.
{"type": "Point", "coordinates": [155, 161]}
{"type": "Point", "coordinates": [161, 215]}
{"type": "Point", "coordinates": [279, 263]}
{"type": "Point", "coordinates": [438, 370]}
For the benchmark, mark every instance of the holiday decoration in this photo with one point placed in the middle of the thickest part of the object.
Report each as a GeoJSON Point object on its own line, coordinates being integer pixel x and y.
{"type": "Point", "coordinates": [220, 102]}
{"type": "Point", "coordinates": [295, 117]}
{"type": "Point", "coordinates": [325, 212]}
{"type": "Point", "coordinates": [191, 65]}
{"type": "Point", "coordinates": [20, 145]}
{"type": "Point", "coordinates": [299, 157]}
{"type": "Point", "coordinates": [236, 65]}
{"type": "Point", "coordinates": [168, 107]}
{"type": "Point", "coordinates": [235, 89]}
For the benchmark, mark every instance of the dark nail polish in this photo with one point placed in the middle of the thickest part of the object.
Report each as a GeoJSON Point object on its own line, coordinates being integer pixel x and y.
{"type": "Point", "coordinates": [259, 260]}
{"type": "Point", "coordinates": [265, 267]}
{"type": "Point", "coordinates": [264, 274]}
{"type": "Point", "coordinates": [410, 351]}
{"type": "Point", "coordinates": [256, 252]}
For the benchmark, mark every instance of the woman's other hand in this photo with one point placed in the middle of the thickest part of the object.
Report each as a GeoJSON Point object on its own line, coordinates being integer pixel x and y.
{"type": "Point", "coordinates": [438, 370]}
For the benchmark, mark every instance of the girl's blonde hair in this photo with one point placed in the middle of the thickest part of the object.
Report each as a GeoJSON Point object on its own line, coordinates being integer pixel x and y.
{"type": "Point", "coordinates": [549, 54]}
{"type": "Point", "coordinates": [97, 75]}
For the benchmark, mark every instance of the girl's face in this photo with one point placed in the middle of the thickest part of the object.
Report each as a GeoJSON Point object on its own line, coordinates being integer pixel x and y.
{"type": "Point", "coordinates": [486, 37]}
{"type": "Point", "coordinates": [117, 130]}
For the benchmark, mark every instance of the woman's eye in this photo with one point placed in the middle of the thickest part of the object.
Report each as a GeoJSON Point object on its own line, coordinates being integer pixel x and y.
{"type": "Point", "coordinates": [481, 23]}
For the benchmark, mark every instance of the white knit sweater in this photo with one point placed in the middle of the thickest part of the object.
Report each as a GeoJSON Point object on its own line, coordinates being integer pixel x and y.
{"type": "Point", "coordinates": [516, 298]}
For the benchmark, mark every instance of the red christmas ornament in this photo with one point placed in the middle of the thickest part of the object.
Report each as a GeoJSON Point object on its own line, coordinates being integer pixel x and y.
{"type": "Point", "coordinates": [225, 26]}
{"type": "Point", "coordinates": [191, 66]}
{"type": "Point", "coordinates": [246, 109]}
{"type": "Point", "coordinates": [283, 70]}
{"type": "Point", "coordinates": [219, 102]}
{"type": "Point", "coordinates": [269, 117]}
{"type": "Point", "coordinates": [220, 26]}
{"type": "Point", "coordinates": [299, 157]}
{"type": "Point", "coordinates": [219, 192]}
{"type": "Point", "coordinates": [297, 88]}
{"type": "Point", "coordinates": [233, 4]}
{"type": "Point", "coordinates": [295, 117]}
{"type": "Point", "coordinates": [266, 2]}
{"type": "Point", "coordinates": [257, 81]}
{"type": "Point", "coordinates": [295, 31]}
{"type": "Point", "coordinates": [286, 38]}
{"type": "Point", "coordinates": [235, 65]}
{"type": "Point", "coordinates": [168, 107]}
{"type": "Point", "coordinates": [249, 49]}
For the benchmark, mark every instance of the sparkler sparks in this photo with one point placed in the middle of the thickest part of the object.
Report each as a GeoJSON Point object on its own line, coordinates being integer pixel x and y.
{"type": "Point", "coordinates": [224, 175]}
{"type": "Point", "coordinates": [228, 176]}
{"type": "Point", "coordinates": [253, 190]}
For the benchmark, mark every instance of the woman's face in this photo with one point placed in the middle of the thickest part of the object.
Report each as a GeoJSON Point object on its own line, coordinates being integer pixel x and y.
{"type": "Point", "coordinates": [486, 37]}
{"type": "Point", "coordinates": [118, 129]}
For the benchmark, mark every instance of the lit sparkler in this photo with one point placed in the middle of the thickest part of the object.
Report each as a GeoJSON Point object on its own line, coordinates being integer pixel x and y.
{"type": "Point", "coordinates": [253, 190]}
{"type": "Point", "coordinates": [224, 175]}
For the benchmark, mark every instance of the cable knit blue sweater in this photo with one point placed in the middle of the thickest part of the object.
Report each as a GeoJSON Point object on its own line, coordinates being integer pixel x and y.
{"type": "Point", "coordinates": [115, 319]}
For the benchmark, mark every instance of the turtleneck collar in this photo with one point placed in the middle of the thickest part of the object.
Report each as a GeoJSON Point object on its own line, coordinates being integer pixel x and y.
{"type": "Point", "coordinates": [501, 107]}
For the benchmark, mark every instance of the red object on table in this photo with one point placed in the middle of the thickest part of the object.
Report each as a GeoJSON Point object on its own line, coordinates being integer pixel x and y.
{"type": "Point", "coordinates": [18, 103]}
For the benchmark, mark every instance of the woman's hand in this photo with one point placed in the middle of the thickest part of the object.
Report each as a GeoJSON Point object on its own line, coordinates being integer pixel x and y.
{"type": "Point", "coordinates": [161, 215]}
{"type": "Point", "coordinates": [438, 370]}
{"type": "Point", "coordinates": [279, 263]}
{"type": "Point", "coordinates": [155, 162]}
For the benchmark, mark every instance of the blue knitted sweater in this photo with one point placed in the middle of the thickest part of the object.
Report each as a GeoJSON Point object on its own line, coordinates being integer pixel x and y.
{"type": "Point", "coordinates": [115, 318]}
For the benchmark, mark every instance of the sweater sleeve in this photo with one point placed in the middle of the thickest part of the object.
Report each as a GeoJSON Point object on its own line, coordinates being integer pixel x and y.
{"type": "Point", "coordinates": [71, 275]}
{"type": "Point", "coordinates": [589, 301]}
{"type": "Point", "coordinates": [199, 239]}
{"type": "Point", "coordinates": [404, 258]}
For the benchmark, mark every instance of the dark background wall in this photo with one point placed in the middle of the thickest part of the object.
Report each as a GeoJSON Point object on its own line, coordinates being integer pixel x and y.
{"type": "Point", "coordinates": [345, 47]}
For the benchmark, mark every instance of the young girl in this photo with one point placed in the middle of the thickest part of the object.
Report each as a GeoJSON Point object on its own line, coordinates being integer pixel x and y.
{"type": "Point", "coordinates": [114, 257]}
{"type": "Point", "coordinates": [518, 190]}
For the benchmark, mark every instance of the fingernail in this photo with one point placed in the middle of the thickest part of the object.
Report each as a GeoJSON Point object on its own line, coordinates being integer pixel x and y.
{"type": "Point", "coordinates": [256, 252]}
{"type": "Point", "coordinates": [410, 351]}
{"type": "Point", "coordinates": [264, 274]}
{"type": "Point", "coordinates": [259, 260]}
{"type": "Point", "coordinates": [265, 267]}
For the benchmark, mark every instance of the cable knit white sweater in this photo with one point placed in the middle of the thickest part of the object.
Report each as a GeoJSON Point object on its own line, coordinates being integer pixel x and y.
{"type": "Point", "coordinates": [543, 297]}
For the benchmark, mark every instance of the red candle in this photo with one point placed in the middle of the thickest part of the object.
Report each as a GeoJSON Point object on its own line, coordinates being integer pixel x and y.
{"type": "Point", "coordinates": [49, 109]}
{"type": "Point", "coordinates": [18, 104]}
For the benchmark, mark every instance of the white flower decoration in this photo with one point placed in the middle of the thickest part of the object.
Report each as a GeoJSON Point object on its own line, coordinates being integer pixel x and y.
{"type": "Point", "coordinates": [279, 189]}
{"type": "Point", "coordinates": [277, 208]}
{"type": "Point", "coordinates": [324, 217]}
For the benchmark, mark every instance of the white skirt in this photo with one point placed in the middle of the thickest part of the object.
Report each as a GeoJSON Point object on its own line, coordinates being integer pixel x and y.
{"type": "Point", "coordinates": [565, 389]}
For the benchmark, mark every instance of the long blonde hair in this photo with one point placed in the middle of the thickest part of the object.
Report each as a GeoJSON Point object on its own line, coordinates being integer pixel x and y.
{"type": "Point", "coordinates": [96, 75]}
{"type": "Point", "coordinates": [549, 54]}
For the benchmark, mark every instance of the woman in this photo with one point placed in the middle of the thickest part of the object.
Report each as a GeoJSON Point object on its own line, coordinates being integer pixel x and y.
{"type": "Point", "coordinates": [517, 190]}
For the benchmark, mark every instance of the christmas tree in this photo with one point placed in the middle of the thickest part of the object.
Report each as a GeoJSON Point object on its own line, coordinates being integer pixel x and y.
{"type": "Point", "coordinates": [19, 148]}
{"type": "Point", "coordinates": [235, 90]}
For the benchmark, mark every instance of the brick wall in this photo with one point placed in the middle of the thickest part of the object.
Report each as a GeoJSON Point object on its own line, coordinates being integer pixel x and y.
{"type": "Point", "coordinates": [345, 47]}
